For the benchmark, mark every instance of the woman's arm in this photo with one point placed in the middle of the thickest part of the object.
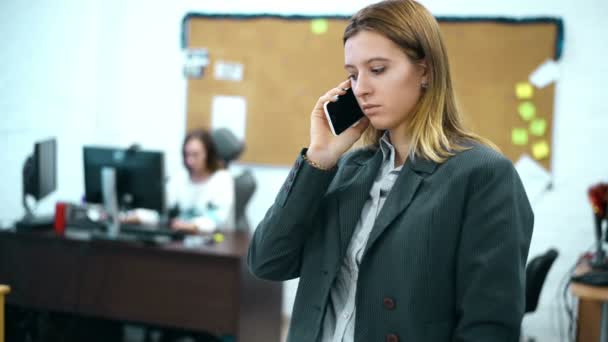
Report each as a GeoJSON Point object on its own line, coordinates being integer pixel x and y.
{"type": "Point", "coordinates": [217, 205]}
{"type": "Point", "coordinates": [493, 250]}
{"type": "Point", "coordinates": [276, 246]}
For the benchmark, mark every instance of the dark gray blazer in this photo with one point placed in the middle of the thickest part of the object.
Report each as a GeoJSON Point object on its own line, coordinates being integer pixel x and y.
{"type": "Point", "coordinates": [445, 260]}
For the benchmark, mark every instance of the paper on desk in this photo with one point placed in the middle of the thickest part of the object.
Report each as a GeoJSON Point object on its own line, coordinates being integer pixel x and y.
{"type": "Point", "coordinates": [229, 112]}
{"type": "Point", "coordinates": [545, 74]}
{"type": "Point", "coordinates": [535, 178]}
{"type": "Point", "coordinates": [228, 71]}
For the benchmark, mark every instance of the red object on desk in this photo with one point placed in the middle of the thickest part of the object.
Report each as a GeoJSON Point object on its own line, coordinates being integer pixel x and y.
{"type": "Point", "coordinates": [60, 211]}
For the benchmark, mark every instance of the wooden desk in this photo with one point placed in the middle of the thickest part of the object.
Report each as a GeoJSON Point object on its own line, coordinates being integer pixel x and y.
{"type": "Point", "coordinates": [592, 305]}
{"type": "Point", "coordinates": [207, 288]}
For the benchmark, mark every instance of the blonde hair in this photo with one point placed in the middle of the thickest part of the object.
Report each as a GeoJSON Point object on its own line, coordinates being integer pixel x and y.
{"type": "Point", "coordinates": [435, 124]}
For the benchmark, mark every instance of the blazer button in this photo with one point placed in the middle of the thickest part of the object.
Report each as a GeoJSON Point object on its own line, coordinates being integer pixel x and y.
{"type": "Point", "coordinates": [392, 338]}
{"type": "Point", "coordinates": [389, 303]}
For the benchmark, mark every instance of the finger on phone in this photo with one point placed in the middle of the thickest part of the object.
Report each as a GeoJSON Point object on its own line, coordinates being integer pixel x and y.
{"type": "Point", "coordinates": [329, 97]}
{"type": "Point", "coordinates": [345, 84]}
{"type": "Point", "coordinates": [335, 92]}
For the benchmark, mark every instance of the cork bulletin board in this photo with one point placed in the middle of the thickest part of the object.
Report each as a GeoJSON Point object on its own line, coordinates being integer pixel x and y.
{"type": "Point", "coordinates": [288, 62]}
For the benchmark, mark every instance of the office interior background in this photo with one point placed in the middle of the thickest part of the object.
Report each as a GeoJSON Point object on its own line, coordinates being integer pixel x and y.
{"type": "Point", "coordinates": [110, 73]}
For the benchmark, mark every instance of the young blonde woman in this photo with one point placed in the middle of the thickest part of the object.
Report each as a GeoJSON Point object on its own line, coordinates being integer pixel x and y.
{"type": "Point", "coordinates": [420, 236]}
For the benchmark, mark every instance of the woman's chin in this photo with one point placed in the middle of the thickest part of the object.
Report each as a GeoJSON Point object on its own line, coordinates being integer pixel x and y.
{"type": "Point", "coordinates": [379, 124]}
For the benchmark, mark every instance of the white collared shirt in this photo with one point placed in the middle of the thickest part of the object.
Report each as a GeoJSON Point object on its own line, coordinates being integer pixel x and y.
{"type": "Point", "coordinates": [339, 321]}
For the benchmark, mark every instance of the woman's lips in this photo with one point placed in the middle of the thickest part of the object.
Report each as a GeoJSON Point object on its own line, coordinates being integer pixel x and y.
{"type": "Point", "coordinates": [370, 109]}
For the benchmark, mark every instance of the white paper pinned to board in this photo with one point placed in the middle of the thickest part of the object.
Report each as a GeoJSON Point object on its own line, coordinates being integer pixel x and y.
{"type": "Point", "coordinates": [229, 112]}
{"type": "Point", "coordinates": [545, 74]}
{"type": "Point", "coordinates": [228, 71]}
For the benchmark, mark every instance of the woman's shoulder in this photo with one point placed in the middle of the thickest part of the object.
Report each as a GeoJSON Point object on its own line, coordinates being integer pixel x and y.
{"type": "Point", "coordinates": [221, 175]}
{"type": "Point", "coordinates": [477, 156]}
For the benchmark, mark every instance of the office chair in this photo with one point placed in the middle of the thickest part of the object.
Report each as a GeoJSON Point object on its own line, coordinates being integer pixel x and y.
{"type": "Point", "coordinates": [4, 290]}
{"type": "Point", "coordinates": [536, 273]}
{"type": "Point", "coordinates": [230, 148]}
{"type": "Point", "coordinates": [244, 187]}
{"type": "Point", "coordinates": [227, 145]}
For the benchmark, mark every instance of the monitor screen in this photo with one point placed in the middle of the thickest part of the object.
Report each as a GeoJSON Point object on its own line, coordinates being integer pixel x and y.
{"type": "Point", "coordinates": [40, 170]}
{"type": "Point", "coordinates": [140, 178]}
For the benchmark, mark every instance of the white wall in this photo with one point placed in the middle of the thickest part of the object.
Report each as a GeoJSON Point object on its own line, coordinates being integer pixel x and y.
{"type": "Point", "coordinates": [48, 87]}
{"type": "Point", "coordinates": [109, 72]}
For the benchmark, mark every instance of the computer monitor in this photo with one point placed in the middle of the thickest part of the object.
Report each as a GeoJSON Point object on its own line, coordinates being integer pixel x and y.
{"type": "Point", "coordinates": [140, 176]}
{"type": "Point", "coordinates": [39, 176]}
{"type": "Point", "coordinates": [40, 172]}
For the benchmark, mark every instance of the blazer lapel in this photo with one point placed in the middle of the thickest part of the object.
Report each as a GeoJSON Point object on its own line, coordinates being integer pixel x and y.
{"type": "Point", "coordinates": [400, 196]}
{"type": "Point", "coordinates": [353, 198]}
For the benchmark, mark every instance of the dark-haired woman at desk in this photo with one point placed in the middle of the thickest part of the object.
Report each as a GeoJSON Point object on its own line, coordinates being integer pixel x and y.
{"type": "Point", "coordinates": [205, 199]}
{"type": "Point", "coordinates": [423, 234]}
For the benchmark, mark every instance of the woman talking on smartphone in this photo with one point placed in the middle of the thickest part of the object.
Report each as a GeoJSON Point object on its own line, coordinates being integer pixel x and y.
{"type": "Point", "coordinates": [423, 234]}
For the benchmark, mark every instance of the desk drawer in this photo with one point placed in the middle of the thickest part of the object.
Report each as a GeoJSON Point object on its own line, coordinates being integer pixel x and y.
{"type": "Point", "coordinates": [192, 291]}
{"type": "Point", "coordinates": [42, 273]}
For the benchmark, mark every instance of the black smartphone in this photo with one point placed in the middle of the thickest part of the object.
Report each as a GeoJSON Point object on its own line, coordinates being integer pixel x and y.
{"type": "Point", "coordinates": [343, 113]}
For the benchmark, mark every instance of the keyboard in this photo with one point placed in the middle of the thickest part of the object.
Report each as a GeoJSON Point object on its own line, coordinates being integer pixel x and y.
{"type": "Point", "coordinates": [151, 231]}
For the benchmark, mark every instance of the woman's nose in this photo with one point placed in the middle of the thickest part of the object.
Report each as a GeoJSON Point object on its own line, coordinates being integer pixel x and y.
{"type": "Point", "coordinates": [361, 86]}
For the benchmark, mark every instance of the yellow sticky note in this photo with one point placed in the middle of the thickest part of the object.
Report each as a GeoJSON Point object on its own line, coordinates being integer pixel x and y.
{"type": "Point", "coordinates": [319, 26]}
{"type": "Point", "coordinates": [527, 110]}
{"type": "Point", "coordinates": [538, 127]}
{"type": "Point", "coordinates": [519, 136]}
{"type": "Point", "coordinates": [540, 150]}
{"type": "Point", "coordinates": [524, 90]}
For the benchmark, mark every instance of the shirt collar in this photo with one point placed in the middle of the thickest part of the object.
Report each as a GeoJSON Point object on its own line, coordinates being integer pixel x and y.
{"type": "Point", "coordinates": [388, 151]}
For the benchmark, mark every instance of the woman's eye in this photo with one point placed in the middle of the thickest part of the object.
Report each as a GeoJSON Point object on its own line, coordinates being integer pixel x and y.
{"type": "Point", "coordinates": [378, 70]}
{"type": "Point", "coordinates": [352, 77]}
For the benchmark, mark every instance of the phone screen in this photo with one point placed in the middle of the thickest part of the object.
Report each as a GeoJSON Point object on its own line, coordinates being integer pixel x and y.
{"type": "Point", "coordinates": [343, 113]}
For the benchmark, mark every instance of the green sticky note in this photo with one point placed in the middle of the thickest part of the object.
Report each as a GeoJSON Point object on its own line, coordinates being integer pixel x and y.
{"type": "Point", "coordinates": [527, 110]}
{"type": "Point", "coordinates": [319, 26]}
{"type": "Point", "coordinates": [538, 127]}
{"type": "Point", "coordinates": [519, 136]}
{"type": "Point", "coordinates": [524, 90]}
{"type": "Point", "coordinates": [540, 150]}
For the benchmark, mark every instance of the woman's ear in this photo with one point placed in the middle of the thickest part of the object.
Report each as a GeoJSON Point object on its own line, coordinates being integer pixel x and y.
{"type": "Point", "coordinates": [423, 71]}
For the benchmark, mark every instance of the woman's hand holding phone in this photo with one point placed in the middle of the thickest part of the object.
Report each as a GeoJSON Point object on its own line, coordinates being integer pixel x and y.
{"type": "Point", "coordinates": [325, 148]}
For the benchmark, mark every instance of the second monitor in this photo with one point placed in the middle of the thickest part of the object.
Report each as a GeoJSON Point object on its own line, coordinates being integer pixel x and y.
{"type": "Point", "coordinates": [140, 176]}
